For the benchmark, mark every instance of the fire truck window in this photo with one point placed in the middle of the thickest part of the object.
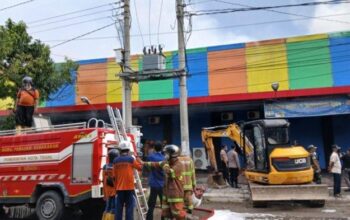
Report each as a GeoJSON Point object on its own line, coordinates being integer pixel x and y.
{"type": "Point", "coordinates": [82, 163]}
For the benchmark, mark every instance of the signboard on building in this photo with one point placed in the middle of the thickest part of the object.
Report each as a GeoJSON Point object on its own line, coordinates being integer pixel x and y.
{"type": "Point", "coordinates": [307, 107]}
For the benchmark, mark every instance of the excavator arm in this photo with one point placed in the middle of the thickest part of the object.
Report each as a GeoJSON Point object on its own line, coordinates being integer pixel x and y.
{"type": "Point", "coordinates": [232, 131]}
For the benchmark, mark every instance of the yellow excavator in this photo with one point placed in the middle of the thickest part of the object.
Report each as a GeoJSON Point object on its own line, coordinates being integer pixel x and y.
{"type": "Point", "coordinates": [275, 169]}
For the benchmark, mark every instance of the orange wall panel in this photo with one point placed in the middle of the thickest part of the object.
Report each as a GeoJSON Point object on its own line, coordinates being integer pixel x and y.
{"type": "Point", "coordinates": [227, 72]}
{"type": "Point", "coordinates": [91, 82]}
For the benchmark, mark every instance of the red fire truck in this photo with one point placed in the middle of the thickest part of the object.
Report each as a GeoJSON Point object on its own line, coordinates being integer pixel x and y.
{"type": "Point", "coordinates": [54, 169]}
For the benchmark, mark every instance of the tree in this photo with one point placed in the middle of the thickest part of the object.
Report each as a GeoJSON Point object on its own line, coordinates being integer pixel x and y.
{"type": "Point", "coordinates": [21, 55]}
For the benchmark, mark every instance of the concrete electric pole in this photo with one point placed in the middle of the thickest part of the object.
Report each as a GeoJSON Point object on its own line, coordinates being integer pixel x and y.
{"type": "Point", "coordinates": [185, 146]}
{"type": "Point", "coordinates": [126, 84]}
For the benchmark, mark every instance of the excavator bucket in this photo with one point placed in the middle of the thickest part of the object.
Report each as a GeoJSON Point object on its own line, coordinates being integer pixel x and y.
{"type": "Point", "coordinates": [316, 194]}
{"type": "Point", "coordinates": [216, 181]}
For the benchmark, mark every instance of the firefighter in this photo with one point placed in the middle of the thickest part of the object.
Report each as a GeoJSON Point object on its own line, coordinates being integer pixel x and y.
{"type": "Point", "coordinates": [108, 185]}
{"type": "Point", "coordinates": [189, 177]}
{"type": "Point", "coordinates": [173, 191]}
{"type": "Point", "coordinates": [123, 170]}
{"type": "Point", "coordinates": [26, 103]}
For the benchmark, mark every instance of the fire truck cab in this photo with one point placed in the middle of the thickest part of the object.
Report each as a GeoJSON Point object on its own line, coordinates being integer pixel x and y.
{"type": "Point", "coordinates": [52, 169]}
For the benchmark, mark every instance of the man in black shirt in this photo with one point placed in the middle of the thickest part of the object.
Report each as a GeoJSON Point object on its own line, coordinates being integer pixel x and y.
{"type": "Point", "coordinates": [346, 165]}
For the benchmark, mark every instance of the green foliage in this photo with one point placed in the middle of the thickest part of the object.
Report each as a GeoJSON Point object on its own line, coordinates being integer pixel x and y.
{"type": "Point", "coordinates": [21, 55]}
{"type": "Point", "coordinates": [7, 123]}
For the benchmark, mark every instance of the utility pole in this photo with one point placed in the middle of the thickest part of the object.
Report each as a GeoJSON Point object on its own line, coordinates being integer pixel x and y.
{"type": "Point", "coordinates": [126, 84]}
{"type": "Point", "coordinates": [185, 146]}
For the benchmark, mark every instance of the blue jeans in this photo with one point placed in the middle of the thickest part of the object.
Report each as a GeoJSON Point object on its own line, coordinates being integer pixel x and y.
{"type": "Point", "coordinates": [337, 183]}
{"type": "Point", "coordinates": [110, 205]}
{"type": "Point", "coordinates": [127, 198]}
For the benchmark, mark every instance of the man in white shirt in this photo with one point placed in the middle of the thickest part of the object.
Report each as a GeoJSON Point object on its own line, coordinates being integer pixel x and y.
{"type": "Point", "coordinates": [233, 166]}
{"type": "Point", "coordinates": [335, 169]}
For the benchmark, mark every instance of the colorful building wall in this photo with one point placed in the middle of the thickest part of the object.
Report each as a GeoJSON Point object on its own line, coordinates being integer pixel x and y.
{"type": "Point", "coordinates": [313, 61]}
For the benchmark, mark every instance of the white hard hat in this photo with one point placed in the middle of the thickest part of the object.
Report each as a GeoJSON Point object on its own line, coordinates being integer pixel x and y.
{"type": "Point", "coordinates": [124, 145]}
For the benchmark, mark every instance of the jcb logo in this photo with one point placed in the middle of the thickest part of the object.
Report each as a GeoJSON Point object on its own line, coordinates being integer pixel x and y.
{"type": "Point", "coordinates": [300, 161]}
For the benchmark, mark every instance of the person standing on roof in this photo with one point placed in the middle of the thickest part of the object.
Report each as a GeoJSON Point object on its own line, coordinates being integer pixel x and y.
{"type": "Point", "coordinates": [123, 170]}
{"type": "Point", "coordinates": [314, 163]}
{"type": "Point", "coordinates": [108, 185]}
{"type": "Point", "coordinates": [26, 103]}
{"type": "Point", "coordinates": [155, 180]}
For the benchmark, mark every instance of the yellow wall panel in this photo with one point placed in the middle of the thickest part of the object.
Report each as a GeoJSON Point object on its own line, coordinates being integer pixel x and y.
{"type": "Point", "coordinates": [134, 63]}
{"type": "Point", "coordinates": [114, 84]}
{"type": "Point", "coordinates": [265, 65]}
{"type": "Point", "coordinates": [307, 38]}
{"type": "Point", "coordinates": [6, 103]}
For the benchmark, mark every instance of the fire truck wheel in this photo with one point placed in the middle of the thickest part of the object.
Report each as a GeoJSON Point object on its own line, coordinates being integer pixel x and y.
{"type": "Point", "coordinates": [49, 206]}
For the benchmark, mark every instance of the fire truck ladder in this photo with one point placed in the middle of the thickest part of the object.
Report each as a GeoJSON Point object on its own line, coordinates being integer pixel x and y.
{"type": "Point", "coordinates": [120, 134]}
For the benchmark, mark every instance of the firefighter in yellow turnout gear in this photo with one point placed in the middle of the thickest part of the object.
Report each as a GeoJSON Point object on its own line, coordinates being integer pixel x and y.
{"type": "Point", "coordinates": [173, 195]}
{"type": "Point", "coordinates": [189, 177]}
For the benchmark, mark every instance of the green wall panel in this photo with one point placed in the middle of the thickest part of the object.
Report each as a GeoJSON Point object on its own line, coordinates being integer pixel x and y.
{"type": "Point", "coordinates": [309, 64]}
{"type": "Point", "coordinates": [158, 89]}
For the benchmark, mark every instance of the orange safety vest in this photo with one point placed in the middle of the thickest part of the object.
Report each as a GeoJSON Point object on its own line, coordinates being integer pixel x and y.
{"type": "Point", "coordinates": [108, 191]}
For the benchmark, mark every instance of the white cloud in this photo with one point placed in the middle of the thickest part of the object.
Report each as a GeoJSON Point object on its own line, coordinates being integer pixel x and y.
{"type": "Point", "coordinates": [334, 23]}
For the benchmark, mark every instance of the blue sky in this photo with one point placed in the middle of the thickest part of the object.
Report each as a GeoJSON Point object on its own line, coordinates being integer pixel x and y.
{"type": "Point", "coordinates": [207, 30]}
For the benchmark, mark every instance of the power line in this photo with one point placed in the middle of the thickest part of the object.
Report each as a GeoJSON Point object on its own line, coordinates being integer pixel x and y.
{"type": "Point", "coordinates": [282, 54]}
{"type": "Point", "coordinates": [149, 20]}
{"type": "Point", "coordinates": [69, 18]}
{"type": "Point", "coordinates": [82, 35]}
{"type": "Point", "coordinates": [205, 29]}
{"type": "Point", "coordinates": [72, 24]}
{"type": "Point", "coordinates": [138, 23]}
{"type": "Point", "coordinates": [160, 18]}
{"type": "Point", "coordinates": [287, 13]}
{"type": "Point", "coordinates": [72, 12]}
{"type": "Point", "coordinates": [231, 10]}
{"type": "Point", "coordinates": [16, 5]}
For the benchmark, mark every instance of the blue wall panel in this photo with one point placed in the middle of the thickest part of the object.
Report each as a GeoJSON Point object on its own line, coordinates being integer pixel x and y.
{"type": "Point", "coordinates": [308, 131]}
{"type": "Point", "coordinates": [92, 61]}
{"type": "Point", "coordinates": [226, 47]}
{"type": "Point", "coordinates": [64, 96]}
{"type": "Point", "coordinates": [151, 132]}
{"type": "Point", "coordinates": [341, 126]}
{"type": "Point", "coordinates": [340, 57]}
{"type": "Point", "coordinates": [197, 82]}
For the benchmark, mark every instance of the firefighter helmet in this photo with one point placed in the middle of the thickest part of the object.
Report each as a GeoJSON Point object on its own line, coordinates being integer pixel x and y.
{"type": "Point", "coordinates": [112, 154]}
{"type": "Point", "coordinates": [172, 150]}
{"type": "Point", "coordinates": [27, 80]}
{"type": "Point", "coordinates": [124, 145]}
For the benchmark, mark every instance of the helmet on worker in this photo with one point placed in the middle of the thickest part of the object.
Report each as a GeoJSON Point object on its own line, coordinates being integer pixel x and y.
{"type": "Point", "coordinates": [124, 146]}
{"type": "Point", "coordinates": [27, 80]}
{"type": "Point", "coordinates": [172, 151]}
{"type": "Point", "coordinates": [112, 154]}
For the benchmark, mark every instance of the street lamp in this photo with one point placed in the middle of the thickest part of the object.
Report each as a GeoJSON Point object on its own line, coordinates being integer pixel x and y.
{"type": "Point", "coordinates": [85, 100]}
{"type": "Point", "coordinates": [275, 86]}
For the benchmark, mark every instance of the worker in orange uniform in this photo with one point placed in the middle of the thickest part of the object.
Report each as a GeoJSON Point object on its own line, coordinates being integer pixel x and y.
{"type": "Point", "coordinates": [26, 103]}
{"type": "Point", "coordinates": [173, 195]}
{"type": "Point", "coordinates": [189, 177]}
{"type": "Point", "coordinates": [123, 169]}
{"type": "Point", "coordinates": [108, 186]}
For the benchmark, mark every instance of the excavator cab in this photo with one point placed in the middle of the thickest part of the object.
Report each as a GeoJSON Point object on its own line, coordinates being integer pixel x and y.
{"type": "Point", "coordinates": [263, 136]}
